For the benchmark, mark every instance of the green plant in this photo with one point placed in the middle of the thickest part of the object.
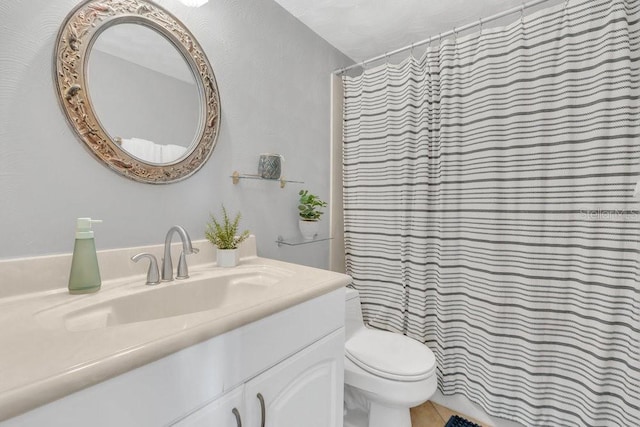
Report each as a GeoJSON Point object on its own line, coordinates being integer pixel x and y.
{"type": "Point", "coordinates": [223, 233]}
{"type": "Point", "coordinates": [308, 206]}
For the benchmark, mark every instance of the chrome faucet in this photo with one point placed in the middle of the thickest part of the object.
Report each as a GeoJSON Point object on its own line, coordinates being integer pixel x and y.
{"type": "Point", "coordinates": [167, 265]}
{"type": "Point", "coordinates": [153, 276]}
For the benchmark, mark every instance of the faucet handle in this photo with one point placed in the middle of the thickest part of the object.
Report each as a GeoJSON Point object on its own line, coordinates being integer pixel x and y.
{"type": "Point", "coordinates": [153, 274]}
{"type": "Point", "coordinates": [183, 270]}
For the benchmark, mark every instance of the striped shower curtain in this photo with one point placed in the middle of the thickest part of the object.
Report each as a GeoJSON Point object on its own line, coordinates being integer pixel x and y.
{"type": "Point", "coordinates": [490, 211]}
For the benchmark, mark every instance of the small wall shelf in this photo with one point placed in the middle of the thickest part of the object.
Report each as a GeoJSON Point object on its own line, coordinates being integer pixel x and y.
{"type": "Point", "coordinates": [237, 176]}
{"type": "Point", "coordinates": [297, 241]}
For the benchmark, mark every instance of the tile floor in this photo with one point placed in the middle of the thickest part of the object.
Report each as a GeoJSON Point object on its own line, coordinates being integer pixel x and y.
{"type": "Point", "coordinates": [431, 414]}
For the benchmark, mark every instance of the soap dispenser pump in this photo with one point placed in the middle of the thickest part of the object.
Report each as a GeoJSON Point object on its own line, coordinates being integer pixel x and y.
{"type": "Point", "coordinates": [85, 273]}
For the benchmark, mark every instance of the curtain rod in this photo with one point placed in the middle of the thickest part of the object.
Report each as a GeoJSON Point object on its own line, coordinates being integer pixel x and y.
{"type": "Point", "coordinates": [479, 22]}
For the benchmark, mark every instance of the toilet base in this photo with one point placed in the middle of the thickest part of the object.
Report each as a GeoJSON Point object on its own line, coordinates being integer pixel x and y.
{"type": "Point", "coordinates": [385, 416]}
{"type": "Point", "coordinates": [356, 418]}
{"type": "Point", "coordinates": [380, 417]}
{"type": "Point", "coordinates": [363, 409]}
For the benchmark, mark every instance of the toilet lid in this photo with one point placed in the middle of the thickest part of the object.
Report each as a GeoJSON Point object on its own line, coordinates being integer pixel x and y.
{"type": "Point", "coordinates": [390, 355]}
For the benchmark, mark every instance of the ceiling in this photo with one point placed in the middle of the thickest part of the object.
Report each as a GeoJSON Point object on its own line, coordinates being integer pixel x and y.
{"type": "Point", "coordinates": [362, 29]}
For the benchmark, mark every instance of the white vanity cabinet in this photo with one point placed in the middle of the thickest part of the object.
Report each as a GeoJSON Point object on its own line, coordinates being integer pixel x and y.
{"type": "Point", "coordinates": [304, 390]}
{"type": "Point", "coordinates": [224, 411]}
{"type": "Point", "coordinates": [292, 358]}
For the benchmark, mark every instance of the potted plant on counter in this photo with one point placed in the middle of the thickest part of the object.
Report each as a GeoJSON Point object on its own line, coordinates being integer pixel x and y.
{"type": "Point", "coordinates": [224, 235]}
{"type": "Point", "coordinates": [309, 214]}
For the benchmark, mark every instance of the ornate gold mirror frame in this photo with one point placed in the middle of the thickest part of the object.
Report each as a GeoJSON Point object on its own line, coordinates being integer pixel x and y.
{"type": "Point", "coordinates": [74, 42]}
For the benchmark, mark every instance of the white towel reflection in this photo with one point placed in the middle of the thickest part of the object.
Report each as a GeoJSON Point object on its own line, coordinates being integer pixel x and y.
{"type": "Point", "coordinates": [151, 152]}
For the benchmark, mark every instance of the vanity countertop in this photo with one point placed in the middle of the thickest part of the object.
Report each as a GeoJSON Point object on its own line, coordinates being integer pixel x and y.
{"type": "Point", "coordinates": [41, 361]}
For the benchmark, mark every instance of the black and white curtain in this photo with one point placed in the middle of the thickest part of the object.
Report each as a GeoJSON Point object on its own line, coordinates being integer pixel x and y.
{"type": "Point", "coordinates": [490, 211]}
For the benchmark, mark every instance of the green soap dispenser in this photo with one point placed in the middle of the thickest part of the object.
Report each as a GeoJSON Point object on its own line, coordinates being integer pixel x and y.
{"type": "Point", "coordinates": [85, 273]}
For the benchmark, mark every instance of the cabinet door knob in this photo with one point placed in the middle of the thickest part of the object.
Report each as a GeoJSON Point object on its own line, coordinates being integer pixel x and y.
{"type": "Point", "coordinates": [262, 409]}
{"type": "Point", "coordinates": [237, 414]}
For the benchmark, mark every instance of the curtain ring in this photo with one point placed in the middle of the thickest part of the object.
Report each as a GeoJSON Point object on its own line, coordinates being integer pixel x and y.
{"type": "Point", "coordinates": [522, 13]}
{"type": "Point", "coordinates": [480, 26]}
{"type": "Point", "coordinates": [455, 34]}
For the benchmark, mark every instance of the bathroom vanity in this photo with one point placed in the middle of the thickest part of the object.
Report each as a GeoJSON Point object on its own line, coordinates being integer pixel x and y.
{"type": "Point", "coordinates": [259, 344]}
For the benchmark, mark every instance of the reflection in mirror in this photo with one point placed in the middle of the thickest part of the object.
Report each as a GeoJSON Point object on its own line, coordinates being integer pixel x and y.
{"type": "Point", "coordinates": [144, 93]}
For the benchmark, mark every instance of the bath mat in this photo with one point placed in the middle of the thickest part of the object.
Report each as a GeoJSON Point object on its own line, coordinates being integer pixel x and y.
{"type": "Point", "coordinates": [456, 421]}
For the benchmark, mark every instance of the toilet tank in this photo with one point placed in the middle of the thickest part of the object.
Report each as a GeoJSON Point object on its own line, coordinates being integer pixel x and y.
{"type": "Point", "coordinates": [353, 312]}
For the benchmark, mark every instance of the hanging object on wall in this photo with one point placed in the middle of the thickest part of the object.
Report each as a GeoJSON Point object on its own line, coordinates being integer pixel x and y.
{"type": "Point", "coordinates": [153, 119]}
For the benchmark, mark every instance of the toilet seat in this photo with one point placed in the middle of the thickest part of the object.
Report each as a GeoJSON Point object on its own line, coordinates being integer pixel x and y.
{"type": "Point", "coordinates": [390, 355]}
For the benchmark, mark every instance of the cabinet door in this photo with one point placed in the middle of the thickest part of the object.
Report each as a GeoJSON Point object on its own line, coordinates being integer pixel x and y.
{"type": "Point", "coordinates": [304, 390]}
{"type": "Point", "coordinates": [219, 413]}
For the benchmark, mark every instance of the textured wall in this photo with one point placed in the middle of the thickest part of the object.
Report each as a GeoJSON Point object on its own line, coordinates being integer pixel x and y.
{"type": "Point", "coordinates": [273, 75]}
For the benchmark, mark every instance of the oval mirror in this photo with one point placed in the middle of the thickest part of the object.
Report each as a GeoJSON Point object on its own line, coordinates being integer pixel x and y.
{"type": "Point", "coordinates": [138, 89]}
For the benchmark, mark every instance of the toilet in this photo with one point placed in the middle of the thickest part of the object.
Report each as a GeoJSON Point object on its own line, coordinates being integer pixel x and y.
{"type": "Point", "coordinates": [385, 373]}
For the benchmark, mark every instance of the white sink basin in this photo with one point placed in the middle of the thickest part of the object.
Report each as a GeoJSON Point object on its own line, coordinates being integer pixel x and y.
{"type": "Point", "coordinates": [164, 300]}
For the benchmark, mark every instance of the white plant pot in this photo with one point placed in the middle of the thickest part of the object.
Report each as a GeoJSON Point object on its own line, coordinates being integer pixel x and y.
{"type": "Point", "coordinates": [308, 229]}
{"type": "Point", "coordinates": [227, 257]}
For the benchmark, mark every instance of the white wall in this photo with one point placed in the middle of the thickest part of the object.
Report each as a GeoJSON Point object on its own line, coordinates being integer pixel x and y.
{"type": "Point", "coordinates": [272, 73]}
